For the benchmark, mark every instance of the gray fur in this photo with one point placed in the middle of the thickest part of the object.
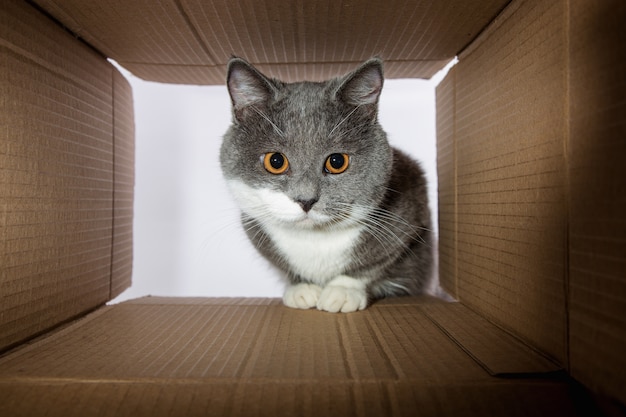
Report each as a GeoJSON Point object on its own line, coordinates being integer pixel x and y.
{"type": "Point", "coordinates": [308, 121]}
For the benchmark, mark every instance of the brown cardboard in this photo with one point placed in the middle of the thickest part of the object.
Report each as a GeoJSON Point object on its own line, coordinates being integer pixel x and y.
{"type": "Point", "coordinates": [498, 353]}
{"type": "Point", "coordinates": [190, 41]}
{"type": "Point", "coordinates": [124, 184]}
{"type": "Point", "coordinates": [597, 195]}
{"type": "Point", "coordinates": [511, 212]}
{"type": "Point", "coordinates": [531, 182]}
{"type": "Point", "coordinates": [56, 181]}
{"type": "Point", "coordinates": [530, 142]}
{"type": "Point", "coordinates": [227, 357]}
{"type": "Point", "coordinates": [447, 187]}
{"type": "Point", "coordinates": [302, 398]}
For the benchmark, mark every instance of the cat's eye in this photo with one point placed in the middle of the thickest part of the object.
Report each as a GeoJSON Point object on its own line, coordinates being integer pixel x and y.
{"type": "Point", "coordinates": [337, 163]}
{"type": "Point", "coordinates": [275, 163]}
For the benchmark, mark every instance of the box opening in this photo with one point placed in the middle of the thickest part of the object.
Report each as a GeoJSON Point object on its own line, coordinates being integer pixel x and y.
{"type": "Point", "coordinates": [186, 224]}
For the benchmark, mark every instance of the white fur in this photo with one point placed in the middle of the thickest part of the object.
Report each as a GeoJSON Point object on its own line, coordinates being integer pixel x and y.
{"type": "Point", "coordinates": [345, 294]}
{"type": "Point", "coordinates": [316, 254]}
{"type": "Point", "coordinates": [265, 204]}
{"type": "Point", "coordinates": [302, 296]}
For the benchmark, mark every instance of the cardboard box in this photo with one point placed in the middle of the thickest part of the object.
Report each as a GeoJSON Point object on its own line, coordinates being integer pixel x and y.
{"type": "Point", "coordinates": [532, 196]}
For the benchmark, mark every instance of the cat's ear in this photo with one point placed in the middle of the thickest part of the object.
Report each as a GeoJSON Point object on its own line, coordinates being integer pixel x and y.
{"type": "Point", "coordinates": [363, 86]}
{"type": "Point", "coordinates": [247, 86]}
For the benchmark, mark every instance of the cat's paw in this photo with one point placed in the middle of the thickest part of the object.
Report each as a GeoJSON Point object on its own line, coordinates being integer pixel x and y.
{"type": "Point", "coordinates": [343, 294]}
{"type": "Point", "coordinates": [302, 296]}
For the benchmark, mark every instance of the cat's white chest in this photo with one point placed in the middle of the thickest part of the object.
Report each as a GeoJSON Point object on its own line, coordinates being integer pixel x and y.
{"type": "Point", "coordinates": [316, 255]}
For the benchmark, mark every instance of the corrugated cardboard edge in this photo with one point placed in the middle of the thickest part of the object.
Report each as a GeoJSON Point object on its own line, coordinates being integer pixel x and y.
{"type": "Point", "coordinates": [447, 183]}
{"type": "Point", "coordinates": [124, 185]}
{"type": "Point", "coordinates": [213, 301]}
{"type": "Point", "coordinates": [309, 71]}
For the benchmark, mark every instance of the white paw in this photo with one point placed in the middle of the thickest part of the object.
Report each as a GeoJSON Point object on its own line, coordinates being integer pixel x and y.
{"type": "Point", "coordinates": [343, 294]}
{"type": "Point", "coordinates": [302, 296]}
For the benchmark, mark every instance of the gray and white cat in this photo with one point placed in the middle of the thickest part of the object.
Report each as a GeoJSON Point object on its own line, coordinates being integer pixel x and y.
{"type": "Point", "coordinates": [323, 195]}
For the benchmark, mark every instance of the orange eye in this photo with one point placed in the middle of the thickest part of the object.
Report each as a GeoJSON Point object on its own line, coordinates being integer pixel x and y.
{"type": "Point", "coordinates": [337, 163]}
{"type": "Point", "coordinates": [275, 163]}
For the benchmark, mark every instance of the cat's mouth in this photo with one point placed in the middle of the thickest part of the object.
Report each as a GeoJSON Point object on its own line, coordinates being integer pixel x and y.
{"type": "Point", "coordinates": [317, 219]}
{"type": "Point", "coordinates": [310, 219]}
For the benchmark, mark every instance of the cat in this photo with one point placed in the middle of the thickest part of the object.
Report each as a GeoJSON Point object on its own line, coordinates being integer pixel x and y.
{"type": "Point", "coordinates": [323, 195]}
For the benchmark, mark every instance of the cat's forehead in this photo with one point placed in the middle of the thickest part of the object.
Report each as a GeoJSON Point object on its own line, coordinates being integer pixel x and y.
{"type": "Point", "coordinates": [307, 106]}
{"type": "Point", "coordinates": [305, 94]}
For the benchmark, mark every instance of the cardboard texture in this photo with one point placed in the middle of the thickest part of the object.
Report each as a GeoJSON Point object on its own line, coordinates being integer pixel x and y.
{"type": "Point", "coordinates": [511, 209]}
{"type": "Point", "coordinates": [534, 193]}
{"type": "Point", "coordinates": [225, 357]}
{"type": "Point", "coordinates": [124, 184]}
{"type": "Point", "coordinates": [531, 133]}
{"type": "Point", "coordinates": [597, 196]}
{"type": "Point", "coordinates": [190, 41]}
{"type": "Point", "coordinates": [56, 182]}
{"type": "Point", "coordinates": [447, 184]}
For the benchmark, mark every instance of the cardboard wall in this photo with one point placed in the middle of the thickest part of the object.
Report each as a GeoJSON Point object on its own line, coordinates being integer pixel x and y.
{"type": "Point", "coordinates": [190, 41]}
{"type": "Point", "coordinates": [57, 174]}
{"type": "Point", "coordinates": [511, 214]}
{"type": "Point", "coordinates": [531, 182]}
{"type": "Point", "coordinates": [597, 195]}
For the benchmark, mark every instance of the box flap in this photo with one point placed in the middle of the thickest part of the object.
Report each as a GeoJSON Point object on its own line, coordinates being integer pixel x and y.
{"type": "Point", "coordinates": [160, 356]}
{"type": "Point", "coordinates": [531, 141]}
{"type": "Point", "coordinates": [507, 253]}
{"type": "Point", "coordinates": [56, 171]}
{"type": "Point", "coordinates": [190, 41]}
{"type": "Point", "coordinates": [64, 157]}
{"type": "Point", "coordinates": [497, 352]}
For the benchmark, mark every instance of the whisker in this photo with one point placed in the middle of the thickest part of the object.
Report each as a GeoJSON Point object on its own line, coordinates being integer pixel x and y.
{"type": "Point", "coordinates": [347, 132]}
{"type": "Point", "coordinates": [397, 286]}
{"type": "Point", "coordinates": [342, 121]}
{"type": "Point", "coordinates": [263, 115]}
{"type": "Point", "coordinates": [388, 223]}
{"type": "Point", "coordinates": [249, 224]}
{"type": "Point", "coordinates": [387, 215]}
{"type": "Point", "coordinates": [374, 232]}
{"type": "Point", "coordinates": [391, 190]}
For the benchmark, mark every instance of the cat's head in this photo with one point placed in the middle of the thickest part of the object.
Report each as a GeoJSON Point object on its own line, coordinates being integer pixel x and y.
{"type": "Point", "coordinates": [306, 154]}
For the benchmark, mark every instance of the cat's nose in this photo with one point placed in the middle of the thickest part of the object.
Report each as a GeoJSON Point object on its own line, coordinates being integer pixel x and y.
{"type": "Point", "coordinates": [306, 204]}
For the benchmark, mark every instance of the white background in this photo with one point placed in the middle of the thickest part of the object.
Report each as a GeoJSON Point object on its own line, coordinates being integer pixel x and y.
{"type": "Point", "coordinates": [187, 237]}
